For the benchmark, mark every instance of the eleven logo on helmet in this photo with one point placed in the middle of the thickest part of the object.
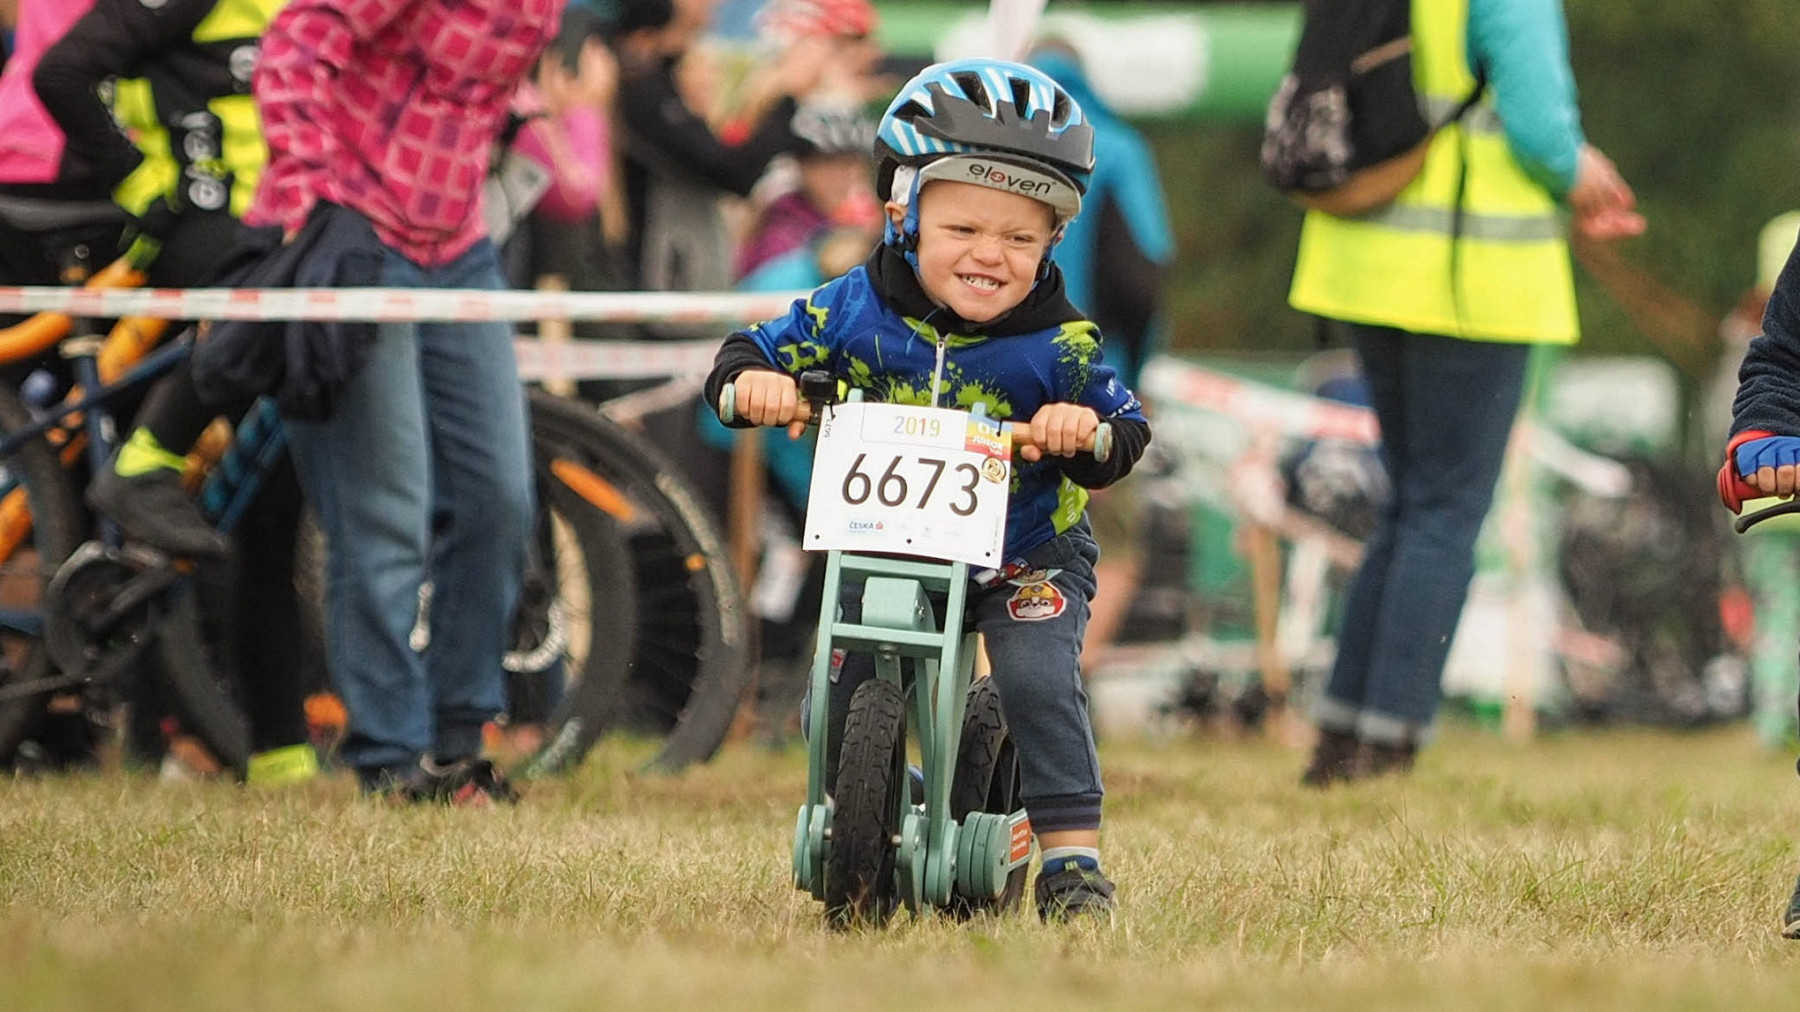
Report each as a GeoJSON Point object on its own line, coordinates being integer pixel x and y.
{"type": "Point", "coordinates": [1000, 178]}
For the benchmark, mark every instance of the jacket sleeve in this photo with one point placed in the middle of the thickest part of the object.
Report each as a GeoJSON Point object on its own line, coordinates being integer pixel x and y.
{"type": "Point", "coordinates": [1087, 380]}
{"type": "Point", "coordinates": [1523, 46]}
{"type": "Point", "coordinates": [792, 344]}
{"type": "Point", "coordinates": [738, 355]}
{"type": "Point", "coordinates": [657, 116]}
{"type": "Point", "coordinates": [112, 40]}
{"type": "Point", "coordinates": [1768, 396]}
{"type": "Point", "coordinates": [308, 45]}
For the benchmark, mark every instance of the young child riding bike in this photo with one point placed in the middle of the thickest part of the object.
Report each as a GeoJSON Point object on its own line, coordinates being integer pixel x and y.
{"type": "Point", "coordinates": [984, 163]}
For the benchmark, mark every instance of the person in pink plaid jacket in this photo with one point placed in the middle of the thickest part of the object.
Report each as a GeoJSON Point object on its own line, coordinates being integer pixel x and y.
{"type": "Point", "coordinates": [389, 108]}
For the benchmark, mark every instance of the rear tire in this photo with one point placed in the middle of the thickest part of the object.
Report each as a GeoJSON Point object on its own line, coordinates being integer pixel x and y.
{"type": "Point", "coordinates": [860, 887]}
{"type": "Point", "coordinates": [203, 700]}
{"type": "Point", "coordinates": [986, 780]}
{"type": "Point", "coordinates": [688, 670]}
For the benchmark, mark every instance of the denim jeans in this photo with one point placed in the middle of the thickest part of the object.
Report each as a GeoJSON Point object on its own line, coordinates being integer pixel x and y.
{"type": "Point", "coordinates": [1446, 408]}
{"type": "Point", "coordinates": [1033, 628]}
{"type": "Point", "coordinates": [423, 471]}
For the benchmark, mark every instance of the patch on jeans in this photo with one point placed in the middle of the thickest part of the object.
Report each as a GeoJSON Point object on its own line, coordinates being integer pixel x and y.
{"type": "Point", "coordinates": [1035, 602]}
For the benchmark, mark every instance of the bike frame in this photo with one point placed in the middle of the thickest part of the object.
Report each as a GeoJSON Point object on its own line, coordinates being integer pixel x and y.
{"type": "Point", "coordinates": [936, 857]}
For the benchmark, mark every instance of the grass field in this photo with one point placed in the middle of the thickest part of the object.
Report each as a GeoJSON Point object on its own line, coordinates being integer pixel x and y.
{"type": "Point", "coordinates": [1622, 869]}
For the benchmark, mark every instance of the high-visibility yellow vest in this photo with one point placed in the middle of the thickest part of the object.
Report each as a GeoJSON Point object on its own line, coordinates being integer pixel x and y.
{"type": "Point", "coordinates": [1499, 271]}
{"type": "Point", "coordinates": [202, 140]}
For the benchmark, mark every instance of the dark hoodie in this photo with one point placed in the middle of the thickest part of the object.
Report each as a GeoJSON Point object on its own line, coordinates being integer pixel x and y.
{"type": "Point", "coordinates": [875, 328]}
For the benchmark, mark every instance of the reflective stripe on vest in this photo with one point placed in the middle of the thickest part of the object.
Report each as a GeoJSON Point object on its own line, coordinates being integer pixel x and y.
{"type": "Point", "coordinates": [1498, 270]}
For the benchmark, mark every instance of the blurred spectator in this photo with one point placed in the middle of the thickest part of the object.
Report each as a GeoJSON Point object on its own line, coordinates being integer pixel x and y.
{"type": "Point", "coordinates": [31, 146]}
{"type": "Point", "coordinates": [1113, 257]}
{"type": "Point", "coordinates": [844, 33]}
{"type": "Point", "coordinates": [833, 186]}
{"type": "Point", "coordinates": [676, 167]}
{"type": "Point", "coordinates": [577, 230]}
{"type": "Point", "coordinates": [1769, 556]}
{"type": "Point", "coordinates": [380, 118]}
{"type": "Point", "coordinates": [1445, 289]}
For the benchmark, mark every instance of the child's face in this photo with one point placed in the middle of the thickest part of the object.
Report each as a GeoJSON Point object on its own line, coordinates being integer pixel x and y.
{"type": "Point", "coordinates": [979, 248]}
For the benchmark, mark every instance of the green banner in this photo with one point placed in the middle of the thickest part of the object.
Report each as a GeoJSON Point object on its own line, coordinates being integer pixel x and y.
{"type": "Point", "coordinates": [1156, 61]}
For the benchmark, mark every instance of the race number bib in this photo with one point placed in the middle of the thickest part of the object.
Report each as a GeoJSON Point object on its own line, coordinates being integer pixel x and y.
{"type": "Point", "coordinates": [910, 481]}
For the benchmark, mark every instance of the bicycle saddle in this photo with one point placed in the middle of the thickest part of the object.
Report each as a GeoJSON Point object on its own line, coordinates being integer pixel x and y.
{"type": "Point", "coordinates": [37, 214]}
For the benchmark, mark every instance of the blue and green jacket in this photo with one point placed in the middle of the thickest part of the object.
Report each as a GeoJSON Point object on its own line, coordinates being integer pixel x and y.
{"type": "Point", "coordinates": [876, 329]}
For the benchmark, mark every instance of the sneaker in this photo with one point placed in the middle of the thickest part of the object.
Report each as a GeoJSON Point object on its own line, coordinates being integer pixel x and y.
{"type": "Point", "coordinates": [1790, 919]}
{"type": "Point", "coordinates": [1335, 759]}
{"type": "Point", "coordinates": [155, 509]}
{"type": "Point", "coordinates": [1074, 892]}
{"type": "Point", "coordinates": [466, 783]}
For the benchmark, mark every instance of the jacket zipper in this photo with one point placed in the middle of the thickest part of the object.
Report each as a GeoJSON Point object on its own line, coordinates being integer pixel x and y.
{"type": "Point", "coordinates": [937, 373]}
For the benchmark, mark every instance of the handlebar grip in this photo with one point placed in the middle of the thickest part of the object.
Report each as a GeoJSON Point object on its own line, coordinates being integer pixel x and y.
{"type": "Point", "coordinates": [728, 406]}
{"type": "Point", "coordinates": [1101, 449]}
{"type": "Point", "coordinates": [1734, 490]}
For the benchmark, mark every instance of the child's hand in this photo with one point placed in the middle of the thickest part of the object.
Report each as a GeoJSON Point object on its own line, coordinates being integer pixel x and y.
{"type": "Point", "coordinates": [1771, 463]}
{"type": "Point", "coordinates": [768, 398]}
{"type": "Point", "coordinates": [1061, 429]}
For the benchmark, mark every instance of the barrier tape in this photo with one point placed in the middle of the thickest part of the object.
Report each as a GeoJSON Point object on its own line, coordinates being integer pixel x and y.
{"type": "Point", "coordinates": [1257, 405]}
{"type": "Point", "coordinates": [399, 304]}
{"type": "Point", "coordinates": [1261, 407]}
{"type": "Point", "coordinates": [583, 360]}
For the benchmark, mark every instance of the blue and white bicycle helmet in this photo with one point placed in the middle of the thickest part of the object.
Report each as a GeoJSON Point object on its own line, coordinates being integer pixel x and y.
{"type": "Point", "coordinates": [989, 122]}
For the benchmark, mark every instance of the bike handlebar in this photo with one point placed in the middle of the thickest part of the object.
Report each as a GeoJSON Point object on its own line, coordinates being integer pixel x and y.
{"type": "Point", "coordinates": [1100, 444]}
{"type": "Point", "coordinates": [1734, 491]}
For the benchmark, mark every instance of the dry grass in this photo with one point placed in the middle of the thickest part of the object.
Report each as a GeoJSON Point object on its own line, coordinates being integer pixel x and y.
{"type": "Point", "coordinates": [1633, 869]}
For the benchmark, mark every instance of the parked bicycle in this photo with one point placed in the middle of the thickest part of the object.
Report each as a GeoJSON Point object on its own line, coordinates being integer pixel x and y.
{"type": "Point", "coordinates": [629, 621]}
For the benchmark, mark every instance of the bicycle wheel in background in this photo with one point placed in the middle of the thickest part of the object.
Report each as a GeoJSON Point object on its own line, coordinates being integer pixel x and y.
{"type": "Point", "coordinates": [41, 523]}
{"type": "Point", "coordinates": [573, 633]}
{"type": "Point", "coordinates": [688, 669]}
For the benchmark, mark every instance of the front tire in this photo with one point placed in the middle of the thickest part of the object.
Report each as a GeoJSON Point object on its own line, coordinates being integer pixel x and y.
{"type": "Point", "coordinates": [860, 887]}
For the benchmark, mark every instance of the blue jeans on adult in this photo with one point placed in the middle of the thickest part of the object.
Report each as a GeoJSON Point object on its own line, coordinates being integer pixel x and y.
{"type": "Point", "coordinates": [422, 472]}
{"type": "Point", "coordinates": [1446, 408]}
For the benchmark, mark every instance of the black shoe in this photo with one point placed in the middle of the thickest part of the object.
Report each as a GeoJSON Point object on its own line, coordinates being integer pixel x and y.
{"type": "Point", "coordinates": [1074, 892]}
{"type": "Point", "coordinates": [1379, 760]}
{"type": "Point", "coordinates": [153, 508]}
{"type": "Point", "coordinates": [1790, 920]}
{"type": "Point", "coordinates": [1335, 759]}
{"type": "Point", "coordinates": [466, 783]}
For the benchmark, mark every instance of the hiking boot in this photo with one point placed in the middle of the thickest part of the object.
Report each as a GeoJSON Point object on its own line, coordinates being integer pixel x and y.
{"type": "Point", "coordinates": [1074, 892]}
{"type": "Point", "coordinates": [1379, 759]}
{"type": "Point", "coordinates": [1334, 760]}
{"type": "Point", "coordinates": [466, 783]}
{"type": "Point", "coordinates": [153, 508]}
{"type": "Point", "coordinates": [1790, 919]}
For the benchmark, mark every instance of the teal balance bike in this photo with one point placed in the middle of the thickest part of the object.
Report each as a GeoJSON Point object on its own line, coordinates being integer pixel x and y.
{"type": "Point", "coordinates": [875, 833]}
